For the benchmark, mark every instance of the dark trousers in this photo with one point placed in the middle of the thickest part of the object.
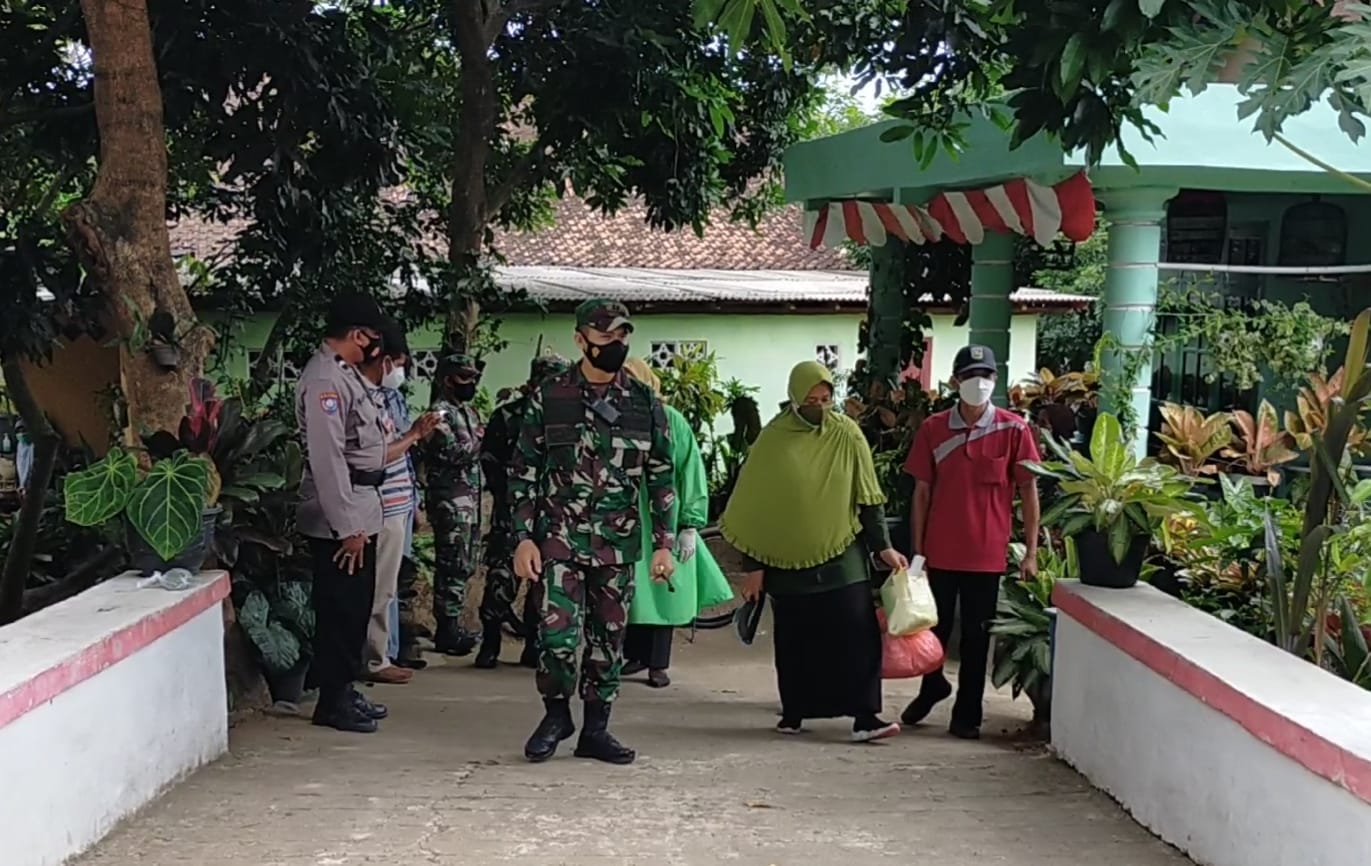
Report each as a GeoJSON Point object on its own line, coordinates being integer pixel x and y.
{"type": "Point", "coordinates": [979, 593]}
{"type": "Point", "coordinates": [342, 608]}
{"type": "Point", "coordinates": [649, 645]}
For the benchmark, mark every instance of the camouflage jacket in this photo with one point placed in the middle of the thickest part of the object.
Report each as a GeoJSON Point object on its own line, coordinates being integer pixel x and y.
{"type": "Point", "coordinates": [576, 474]}
{"type": "Point", "coordinates": [497, 449]}
{"type": "Point", "coordinates": [452, 455]}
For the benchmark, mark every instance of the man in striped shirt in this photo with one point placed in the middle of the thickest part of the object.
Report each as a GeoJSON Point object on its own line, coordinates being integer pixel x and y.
{"type": "Point", "coordinates": [398, 501]}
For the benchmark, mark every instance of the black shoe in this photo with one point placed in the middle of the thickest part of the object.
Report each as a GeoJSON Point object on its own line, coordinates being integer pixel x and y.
{"type": "Point", "coordinates": [339, 713]}
{"type": "Point", "coordinates": [964, 732]}
{"type": "Point", "coordinates": [596, 740]}
{"type": "Point", "coordinates": [451, 640]}
{"type": "Point", "coordinates": [931, 694]}
{"type": "Point", "coordinates": [413, 663]}
{"type": "Point", "coordinates": [489, 656]}
{"type": "Point", "coordinates": [555, 727]}
{"type": "Point", "coordinates": [631, 668]}
{"type": "Point", "coordinates": [368, 708]}
{"type": "Point", "coordinates": [658, 679]}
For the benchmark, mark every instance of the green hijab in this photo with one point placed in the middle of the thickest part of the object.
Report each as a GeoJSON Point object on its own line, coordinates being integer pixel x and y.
{"type": "Point", "coordinates": [795, 504]}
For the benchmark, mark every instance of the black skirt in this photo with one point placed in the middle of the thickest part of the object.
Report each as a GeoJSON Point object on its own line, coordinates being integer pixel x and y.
{"type": "Point", "coordinates": [828, 653]}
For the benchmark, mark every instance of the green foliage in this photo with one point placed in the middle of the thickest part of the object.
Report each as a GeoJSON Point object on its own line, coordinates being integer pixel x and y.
{"type": "Point", "coordinates": [1301, 54]}
{"type": "Point", "coordinates": [692, 386]}
{"type": "Point", "coordinates": [1111, 491]}
{"type": "Point", "coordinates": [1299, 589]}
{"type": "Point", "coordinates": [1023, 628]}
{"type": "Point", "coordinates": [278, 645]}
{"type": "Point", "coordinates": [1259, 340]}
{"type": "Point", "coordinates": [100, 492]}
{"type": "Point", "coordinates": [1066, 341]}
{"type": "Point", "coordinates": [167, 506]}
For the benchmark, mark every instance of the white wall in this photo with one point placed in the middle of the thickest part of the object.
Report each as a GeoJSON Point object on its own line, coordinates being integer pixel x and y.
{"type": "Point", "coordinates": [76, 764]}
{"type": "Point", "coordinates": [1174, 754]}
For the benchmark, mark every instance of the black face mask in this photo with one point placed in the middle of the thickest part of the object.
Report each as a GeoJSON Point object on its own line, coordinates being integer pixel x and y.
{"type": "Point", "coordinates": [463, 391]}
{"type": "Point", "coordinates": [812, 414]}
{"type": "Point", "coordinates": [371, 349]}
{"type": "Point", "coordinates": [610, 357]}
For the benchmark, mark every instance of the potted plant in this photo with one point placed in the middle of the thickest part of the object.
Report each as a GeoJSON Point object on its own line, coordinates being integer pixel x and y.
{"type": "Point", "coordinates": [1110, 503]}
{"type": "Point", "coordinates": [164, 507]}
{"type": "Point", "coordinates": [1192, 439]}
{"type": "Point", "coordinates": [1023, 632]}
{"type": "Point", "coordinates": [1261, 448]}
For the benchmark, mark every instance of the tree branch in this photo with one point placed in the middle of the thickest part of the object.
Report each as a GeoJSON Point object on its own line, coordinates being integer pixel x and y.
{"type": "Point", "coordinates": [19, 558]}
{"type": "Point", "coordinates": [498, 195]}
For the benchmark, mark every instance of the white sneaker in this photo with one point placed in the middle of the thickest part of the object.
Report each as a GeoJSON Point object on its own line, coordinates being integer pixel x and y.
{"type": "Point", "coordinates": [889, 730]}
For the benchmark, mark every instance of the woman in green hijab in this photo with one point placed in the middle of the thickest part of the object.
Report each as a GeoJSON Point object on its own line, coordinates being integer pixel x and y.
{"type": "Point", "coordinates": [807, 517]}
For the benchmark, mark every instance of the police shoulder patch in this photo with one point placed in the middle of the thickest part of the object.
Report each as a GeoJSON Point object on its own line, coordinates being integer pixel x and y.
{"type": "Point", "coordinates": [329, 402]}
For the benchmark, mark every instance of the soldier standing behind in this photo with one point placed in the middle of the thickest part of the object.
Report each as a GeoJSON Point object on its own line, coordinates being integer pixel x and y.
{"type": "Point", "coordinates": [452, 462]}
{"type": "Point", "coordinates": [497, 449]}
{"type": "Point", "coordinates": [589, 440]}
{"type": "Point", "coordinates": [346, 446]}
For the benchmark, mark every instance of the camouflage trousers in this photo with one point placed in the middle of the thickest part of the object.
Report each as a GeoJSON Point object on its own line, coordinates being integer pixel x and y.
{"type": "Point", "coordinates": [497, 605]}
{"type": "Point", "coordinates": [456, 544]}
{"type": "Point", "coordinates": [590, 602]}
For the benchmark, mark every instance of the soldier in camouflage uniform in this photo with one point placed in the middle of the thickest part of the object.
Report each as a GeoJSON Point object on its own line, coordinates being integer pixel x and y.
{"type": "Point", "coordinates": [590, 439]}
{"type": "Point", "coordinates": [452, 465]}
{"type": "Point", "coordinates": [497, 448]}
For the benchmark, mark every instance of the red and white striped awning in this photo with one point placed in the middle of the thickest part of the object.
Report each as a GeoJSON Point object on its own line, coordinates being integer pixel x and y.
{"type": "Point", "coordinates": [1019, 206]}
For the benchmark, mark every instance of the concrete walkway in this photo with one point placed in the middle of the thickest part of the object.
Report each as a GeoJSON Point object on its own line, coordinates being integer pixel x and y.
{"type": "Point", "coordinates": [445, 783]}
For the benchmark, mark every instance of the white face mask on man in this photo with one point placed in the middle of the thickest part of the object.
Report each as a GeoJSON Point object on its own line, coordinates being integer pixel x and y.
{"type": "Point", "coordinates": [394, 378]}
{"type": "Point", "coordinates": [976, 391]}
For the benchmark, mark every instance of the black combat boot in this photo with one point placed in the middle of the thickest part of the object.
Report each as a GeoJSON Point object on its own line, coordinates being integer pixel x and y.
{"type": "Point", "coordinates": [555, 727]}
{"type": "Point", "coordinates": [336, 709]}
{"type": "Point", "coordinates": [451, 640]}
{"type": "Point", "coordinates": [596, 740]}
{"type": "Point", "coordinates": [489, 656]}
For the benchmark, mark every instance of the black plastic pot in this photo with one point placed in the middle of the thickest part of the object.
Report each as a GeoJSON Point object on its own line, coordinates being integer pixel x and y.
{"type": "Point", "coordinates": [287, 686]}
{"type": "Point", "coordinates": [1098, 567]}
{"type": "Point", "coordinates": [146, 560]}
{"type": "Point", "coordinates": [166, 357]}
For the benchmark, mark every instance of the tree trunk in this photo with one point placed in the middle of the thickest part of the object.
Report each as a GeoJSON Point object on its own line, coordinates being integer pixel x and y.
{"type": "Point", "coordinates": [119, 230]}
{"type": "Point", "coordinates": [19, 557]}
{"type": "Point", "coordinates": [469, 212]}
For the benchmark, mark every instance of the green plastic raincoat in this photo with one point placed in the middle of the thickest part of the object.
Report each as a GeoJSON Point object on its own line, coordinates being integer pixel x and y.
{"type": "Point", "coordinates": [699, 583]}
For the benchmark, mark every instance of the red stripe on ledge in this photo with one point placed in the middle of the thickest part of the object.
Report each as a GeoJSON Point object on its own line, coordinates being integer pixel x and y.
{"type": "Point", "coordinates": [1313, 752]}
{"type": "Point", "coordinates": [110, 650]}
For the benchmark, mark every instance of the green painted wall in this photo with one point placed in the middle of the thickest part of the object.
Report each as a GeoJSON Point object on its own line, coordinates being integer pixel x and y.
{"type": "Point", "coordinates": [755, 349]}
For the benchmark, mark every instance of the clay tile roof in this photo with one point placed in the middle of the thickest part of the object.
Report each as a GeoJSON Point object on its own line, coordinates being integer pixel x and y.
{"type": "Point", "coordinates": [582, 238]}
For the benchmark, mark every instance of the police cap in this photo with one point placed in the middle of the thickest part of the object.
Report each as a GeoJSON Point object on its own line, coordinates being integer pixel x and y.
{"type": "Point", "coordinates": [354, 311]}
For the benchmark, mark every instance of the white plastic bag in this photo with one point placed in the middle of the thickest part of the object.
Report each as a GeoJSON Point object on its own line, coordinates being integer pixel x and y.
{"type": "Point", "coordinates": [908, 601]}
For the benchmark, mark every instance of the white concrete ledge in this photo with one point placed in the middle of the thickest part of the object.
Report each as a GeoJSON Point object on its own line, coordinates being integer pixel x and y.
{"type": "Point", "coordinates": [105, 700]}
{"type": "Point", "coordinates": [1236, 752]}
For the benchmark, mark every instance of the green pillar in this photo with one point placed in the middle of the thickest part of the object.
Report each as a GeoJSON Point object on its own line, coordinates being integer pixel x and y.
{"type": "Point", "coordinates": [1135, 218]}
{"type": "Point", "coordinates": [992, 282]}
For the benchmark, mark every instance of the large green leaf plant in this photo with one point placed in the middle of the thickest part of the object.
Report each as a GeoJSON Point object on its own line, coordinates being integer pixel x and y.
{"type": "Point", "coordinates": [164, 505]}
{"type": "Point", "coordinates": [1112, 491]}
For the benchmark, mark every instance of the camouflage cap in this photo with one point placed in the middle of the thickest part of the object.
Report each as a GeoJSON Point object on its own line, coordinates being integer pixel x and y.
{"type": "Point", "coordinates": [547, 365]}
{"type": "Point", "coordinates": [603, 314]}
{"type": "Point", "coordinates": [458, 365]}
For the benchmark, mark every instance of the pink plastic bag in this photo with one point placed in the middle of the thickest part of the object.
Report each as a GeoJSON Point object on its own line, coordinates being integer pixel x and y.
{"type": "Point", "coordinates": [908, 656]}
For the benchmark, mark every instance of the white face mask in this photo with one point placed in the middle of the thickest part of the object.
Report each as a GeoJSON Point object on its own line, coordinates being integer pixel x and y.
{"type": "Point", "coordinates": [977, 391]}
{"type": "Point", "coordinates": [394, 379]}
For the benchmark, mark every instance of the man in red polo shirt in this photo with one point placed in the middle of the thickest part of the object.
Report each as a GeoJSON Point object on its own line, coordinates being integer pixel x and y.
{"type": "Point", "coordinates": [967, 464]}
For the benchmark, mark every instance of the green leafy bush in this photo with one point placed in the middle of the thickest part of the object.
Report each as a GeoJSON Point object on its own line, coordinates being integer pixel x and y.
{"type": "Point", "coordinates": [165, 506]}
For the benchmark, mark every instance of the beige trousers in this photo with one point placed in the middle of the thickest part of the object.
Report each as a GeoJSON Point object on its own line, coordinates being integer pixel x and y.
{"type": "Point", "coordinates": [390, 550]}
